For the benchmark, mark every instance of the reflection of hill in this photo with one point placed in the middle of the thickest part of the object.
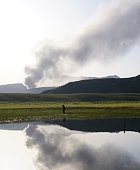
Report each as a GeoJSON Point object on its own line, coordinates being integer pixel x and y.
{"type": "Point", "coordinates": [103, 85]}
{"type": "Point", "coordinates": [95, 125]}
{"type": "Point", "coordinates": [13, 126]}
{"type": "Point", "coordinates": [102, 125]}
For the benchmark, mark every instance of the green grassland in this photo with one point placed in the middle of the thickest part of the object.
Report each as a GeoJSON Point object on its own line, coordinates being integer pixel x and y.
{"type": "Point", "coordinates": [41, 107]}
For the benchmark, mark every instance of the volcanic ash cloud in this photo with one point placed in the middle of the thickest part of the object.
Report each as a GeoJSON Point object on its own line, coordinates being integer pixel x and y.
{"type": "Point", "coordinates": [112, 32]}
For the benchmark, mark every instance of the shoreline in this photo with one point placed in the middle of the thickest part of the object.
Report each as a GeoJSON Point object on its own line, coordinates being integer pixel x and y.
{"type": "Point", "coordinates": [90, 124]}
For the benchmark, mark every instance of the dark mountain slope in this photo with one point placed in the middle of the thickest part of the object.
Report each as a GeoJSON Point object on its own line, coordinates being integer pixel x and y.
{"type": "Point", "coordinates": [106, 85]}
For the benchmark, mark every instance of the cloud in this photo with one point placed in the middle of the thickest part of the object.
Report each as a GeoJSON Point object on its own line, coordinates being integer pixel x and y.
{"type": "Point", "coordinates": [111, 33]}
{"type": "Point", "coordinates": [59, 149]}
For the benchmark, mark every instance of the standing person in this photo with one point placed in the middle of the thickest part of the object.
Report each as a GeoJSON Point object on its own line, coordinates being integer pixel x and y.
{"type": "Point", "coordinates": [63, 108]}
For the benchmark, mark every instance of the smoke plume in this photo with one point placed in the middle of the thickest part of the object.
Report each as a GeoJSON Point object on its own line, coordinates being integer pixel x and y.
{"type": "Point", "coordinates": [60, 150]}
{"type": "Point", "coordinates": [112, 32]}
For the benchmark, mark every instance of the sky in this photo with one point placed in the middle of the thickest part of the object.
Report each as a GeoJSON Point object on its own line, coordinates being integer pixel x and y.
{"type": "Point", "coordinates": [42, 41]}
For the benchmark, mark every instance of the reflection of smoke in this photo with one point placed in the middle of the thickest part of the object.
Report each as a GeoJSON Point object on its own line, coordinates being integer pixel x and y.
{"type": "Point", "coordinates": [113, 31]}
{"type": "Point", "coordinates": [59, 150]}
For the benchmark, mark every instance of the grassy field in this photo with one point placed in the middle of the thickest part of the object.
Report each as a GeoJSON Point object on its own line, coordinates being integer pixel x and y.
{"type": "Point", "coordinates": [89, 97]}
{"type": "Point", "coordinates": [31, 110]}
{"type": "Point", "coordinates": [41, 107]}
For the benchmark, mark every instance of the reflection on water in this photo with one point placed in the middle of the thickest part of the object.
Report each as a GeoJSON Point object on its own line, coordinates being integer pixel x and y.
{"type": "Point", "coordinates": [102, 125]}
{"type": "Point", "coordinates": [40, 146]}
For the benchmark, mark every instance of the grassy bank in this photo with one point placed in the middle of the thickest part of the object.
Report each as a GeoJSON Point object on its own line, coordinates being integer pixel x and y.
{"type": "Point", "coordinates": [41, 111]}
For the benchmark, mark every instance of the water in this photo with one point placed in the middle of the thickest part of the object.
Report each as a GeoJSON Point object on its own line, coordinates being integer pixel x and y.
{"type": "Point", "coordinates": [40, 146]}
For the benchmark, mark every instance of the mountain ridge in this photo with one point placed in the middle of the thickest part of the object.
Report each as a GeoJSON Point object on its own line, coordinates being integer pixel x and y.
{"type": "Point", "coordinates": [100, 85]}
{"type": "Point", "coordinates": [20, 88]}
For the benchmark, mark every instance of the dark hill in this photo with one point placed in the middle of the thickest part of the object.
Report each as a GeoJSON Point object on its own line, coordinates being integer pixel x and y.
{"type": "Point", "coordinates": [105, 85]}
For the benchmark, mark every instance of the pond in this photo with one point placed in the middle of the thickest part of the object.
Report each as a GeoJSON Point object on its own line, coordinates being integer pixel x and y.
{"type": "Point", "coordinates": [45, 146]}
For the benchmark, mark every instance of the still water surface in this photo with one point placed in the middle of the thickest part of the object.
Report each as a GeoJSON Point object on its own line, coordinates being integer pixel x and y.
{"type": "Point", "coordinates": [40, 146]}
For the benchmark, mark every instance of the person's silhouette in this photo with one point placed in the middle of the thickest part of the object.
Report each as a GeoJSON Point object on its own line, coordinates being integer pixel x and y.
{"type": "Point", "coordinates": [63, 108]}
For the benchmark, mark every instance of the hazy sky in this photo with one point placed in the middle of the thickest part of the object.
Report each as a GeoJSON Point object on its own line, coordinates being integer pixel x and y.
{"type": "Point", "coordinates": [35, 36]}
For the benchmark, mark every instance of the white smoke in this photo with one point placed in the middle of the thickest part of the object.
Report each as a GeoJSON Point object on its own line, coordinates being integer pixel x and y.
{"type": "Point", "coordinates": [113, 31]}
{"type": "Point", "coordinates": [60, 150]}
